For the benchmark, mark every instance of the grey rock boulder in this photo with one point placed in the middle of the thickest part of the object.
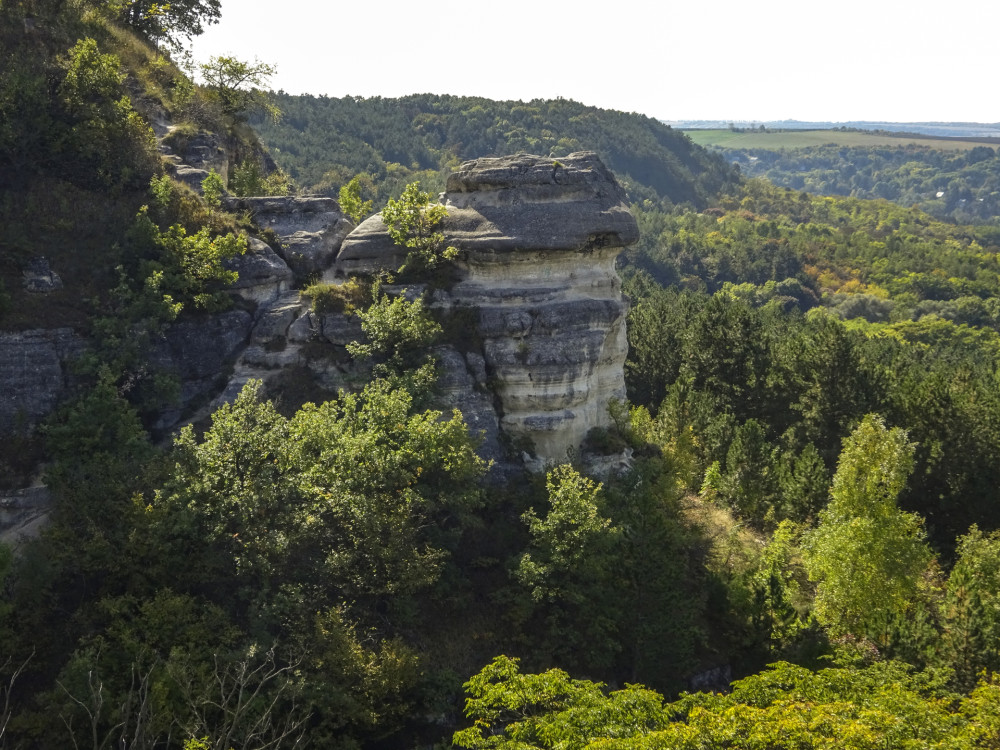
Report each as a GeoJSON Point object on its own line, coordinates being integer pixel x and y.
{"type": "Point", "coordinates": [190, 176]}
{"type": "Point", "coordinates": [39, 278]}
{"type": "Point", "coordinates": [341, 329]}
{"type": "Point", "coordinates": [263, 275]}
{"type": "Point", "coordinates": [369, 249]}
{"type": "Point", "coordinates": [311, 228]}
{"type": "Point", "coordinates": [275, 318]}
{"type": "Point", "coordinates": [23, 513]}
{"type": "Point", "coordinates": [524, 202]}
{"type": "Point", "coordinates": [537, 240]}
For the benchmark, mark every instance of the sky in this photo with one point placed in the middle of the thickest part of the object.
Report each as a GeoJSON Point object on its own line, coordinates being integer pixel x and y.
{"type": "Point", "coordinates": [877, 60]}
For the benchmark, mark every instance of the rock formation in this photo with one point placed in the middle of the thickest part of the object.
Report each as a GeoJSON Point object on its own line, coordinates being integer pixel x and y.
{"type": "Point", "coordinates": [534, 285]}
{"type": "Point", "coordinates": [35, 375]}
{"type": "Point", "coordinates": [538, 240]}
{"type": "Point", "coordinates": [310, 229]}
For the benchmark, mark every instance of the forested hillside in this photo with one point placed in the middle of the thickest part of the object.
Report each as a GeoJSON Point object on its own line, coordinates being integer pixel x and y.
{"type": "Point", "coordinates": [961, 186]}
{"type": "Point", "coordinates": [777, 320]}
{"type": "Point", "coordinates": [323, 142]}
{"type": "Point", "coordinates": [813, 424]}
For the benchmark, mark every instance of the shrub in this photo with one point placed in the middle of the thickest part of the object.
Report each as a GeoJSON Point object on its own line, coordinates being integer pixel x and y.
{"type": "Point", "coordinates": [604, 441]}
{"type": "Point", "coordinates": [336, 298]}
{"type": "Point", "coordinates": [248, 179]}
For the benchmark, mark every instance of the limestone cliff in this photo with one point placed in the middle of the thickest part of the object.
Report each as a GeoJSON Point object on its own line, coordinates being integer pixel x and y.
{"type": "Point", "coordinates": [535, 285]}
{"type": "Point", "coordinates": [538, 240]}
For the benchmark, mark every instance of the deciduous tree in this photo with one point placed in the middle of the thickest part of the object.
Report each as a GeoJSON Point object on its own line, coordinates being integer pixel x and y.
{"type": "Point", "coordinates": [866, 555]}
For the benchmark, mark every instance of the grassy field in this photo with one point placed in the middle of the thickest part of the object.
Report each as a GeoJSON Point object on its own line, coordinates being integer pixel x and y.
{"type": "Point", "coordinates": [785, 139]}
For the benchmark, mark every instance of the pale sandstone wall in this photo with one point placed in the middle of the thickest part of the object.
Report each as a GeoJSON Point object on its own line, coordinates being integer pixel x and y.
{"type": "Point", "coordinates": [538, 239]}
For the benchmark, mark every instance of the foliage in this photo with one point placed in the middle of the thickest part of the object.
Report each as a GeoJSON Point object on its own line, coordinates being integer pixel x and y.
{"type": "Point", "coordinates": [866, 555]}
{"type": "Point", "coordinates": [213, 189]}
{"type": "Point", "coordinates": [323, 141]}
{"type": "Point", "coordinates": [957, 184]}
{"type": "Point", "coordinates": [885, 705]}
{"type": "Point", "coordinates": [351, 203]}
{"type": "Point", "coordinates": [807, 381]}
{"type": "Point", "coordinates": [566, 569]}
{"type": "Point", "coordinates": [510, 709]}
{"type": "Point", "coordinates": [399, 331]}
{"type": "Point", "coordinates": [248, 179]}
{"type": "Point", "coordinates": [563, 537]}
{"type": "Point", "coordinates": [108, 142]}
{"type": "Point", "coordinates": [775, 591]}
{"type": "Point", "coordinates": [186, 268]}
{"type": "Point", "coordinates": [181, 18]}
{"type": "Point", "coordinates": [971, 608]}
{"type": "Point", "coordinates": [238, 86]}
{"type": "Point", "coordinates": [347, 485]}
{"type": "Point", "coordinates": [414, 224]}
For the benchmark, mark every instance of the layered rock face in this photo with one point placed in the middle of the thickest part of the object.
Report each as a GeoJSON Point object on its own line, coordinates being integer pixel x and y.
{"type": "Point", "coordinates": [35, 375]}
{"type": "Point", "coordinates": [544, 343]}
{"type": "Point", "coordinates": [538, 240]}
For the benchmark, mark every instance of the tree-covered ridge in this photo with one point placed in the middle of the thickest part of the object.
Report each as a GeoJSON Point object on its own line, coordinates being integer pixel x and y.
{"type": "Point", "coordinates": [322, 142]}
{"type": "Point", "coordinates": [788, 317]}
{"type": "Point", "coordinates": [959, 186]}
{"type": "Point", "coordinates": [872, 258]}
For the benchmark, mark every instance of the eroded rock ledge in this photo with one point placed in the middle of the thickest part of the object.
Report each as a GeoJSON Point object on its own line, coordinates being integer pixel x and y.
{"type": "Point", "coordinates": [538, 239]}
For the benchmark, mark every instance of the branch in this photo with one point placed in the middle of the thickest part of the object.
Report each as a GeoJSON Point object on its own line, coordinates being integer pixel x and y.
{"type": "Point", "coordinates": [8, 691]}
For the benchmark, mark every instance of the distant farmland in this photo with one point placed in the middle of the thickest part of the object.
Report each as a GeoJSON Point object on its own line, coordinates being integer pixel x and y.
{"type": "Point", "coordinates": [789, 139]}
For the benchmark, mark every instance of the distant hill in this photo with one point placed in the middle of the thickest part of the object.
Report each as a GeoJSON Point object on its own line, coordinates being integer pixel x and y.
{"type": "Point", "coordinates": [322, 142]}
{"type": "Point", "coordinates": [956, 179]}
{"type": "Point", "coordinates": [949, 129]}
{"type": "Point", "coordinates": [751, 138]}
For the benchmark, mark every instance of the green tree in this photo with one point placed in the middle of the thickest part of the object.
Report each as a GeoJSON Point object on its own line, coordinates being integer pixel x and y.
{"type": "Point", "coordinates": [415, 224]}
{"type": "Point", "coordinates": [180, 18]}
{"type": "Point", "coordinates": [351, 203]}
{"type": "Point", "coordinates": [248, 179]}
{"type": "Point", "coordinates": [786, 707]}
{"type": "Point", "coordinates": [656, 594]}
{"type": "Point", "coordinates": [510, 710]}
{"type": "Point", "coordinates": [399, 332]}
{"type": "Point", "coordinates": [749, 481]}
{"type": "Point", "coordinates": [107, 143]}
{"type": "Point", "coordinates": [238, 85]}
{"type": "Point", "coordinates": [866, 555]}
{"type": "Point", "coordinates": [568, 570]}
{"type": "Point", "coordinates": [352, 499]}
{"type": "Point", "coordinates": [186, 268]}
{"type": "Point", "coordinates": [971, 608]}
{"type": "Point", "coordinates": [774, 591]}
{"type": "Point", "coordinates": [213, 189]}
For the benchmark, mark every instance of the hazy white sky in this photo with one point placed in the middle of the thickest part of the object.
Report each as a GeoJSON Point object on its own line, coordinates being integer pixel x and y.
{"type": "Point", "coordinates": [891, 60]}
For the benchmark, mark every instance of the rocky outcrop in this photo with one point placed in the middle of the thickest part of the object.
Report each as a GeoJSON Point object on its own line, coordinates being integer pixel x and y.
{"type": "Point", "coordinates": [190, 157]}
{"type": "Point", "coordinates": [35, 375]}
{"type": "Point", "coordinates": [538, 239]}
{"type": "Point", "coordinates": [39, 278]}
{"type": "Point", "coordinates": [310, 228]}
{"type": "Point", "coordinates": [199, 352]}
{"type": "Point", "coordinates": [534, 284]}
{"type": "Point", "coordinates": [263, 276]}
{"type": "Point", "coordinates": [23, 513]}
